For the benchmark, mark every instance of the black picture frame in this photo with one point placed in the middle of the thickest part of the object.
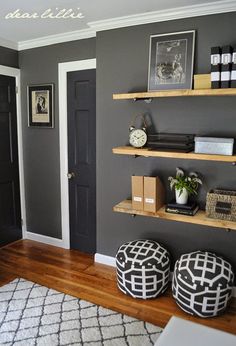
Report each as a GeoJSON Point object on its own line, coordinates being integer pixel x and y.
{"type": "Point", "coordinates": [40, 106]}
{"type": "Point", "coordinates": [171, 58]}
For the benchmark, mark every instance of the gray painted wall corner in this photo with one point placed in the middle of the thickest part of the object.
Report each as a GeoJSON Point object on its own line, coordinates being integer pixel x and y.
{"type": "Point", "coordinates": [9, 57]}
{"type": "Point", "coordinates": [41, 145]}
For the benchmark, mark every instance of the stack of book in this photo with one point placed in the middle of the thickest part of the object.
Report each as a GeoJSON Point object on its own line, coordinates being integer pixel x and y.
{"type": "Point", "coordinates": [171, 142]}
{"type": "Point", "coordinates": [223, 67]}
{"type": "Point", "coordinates": [185, 209]}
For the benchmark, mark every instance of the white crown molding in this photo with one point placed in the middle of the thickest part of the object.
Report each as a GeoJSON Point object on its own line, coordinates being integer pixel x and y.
{"type": "Point", "coordinates": [8, 44]}
{"type": "Point", "coordinates": [215, 7]}
{"type": "Point", "coordinates": [58, 38]}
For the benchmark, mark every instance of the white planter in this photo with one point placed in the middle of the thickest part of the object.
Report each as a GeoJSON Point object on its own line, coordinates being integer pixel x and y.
{"type": "Point", "coordinates": [183, 198]}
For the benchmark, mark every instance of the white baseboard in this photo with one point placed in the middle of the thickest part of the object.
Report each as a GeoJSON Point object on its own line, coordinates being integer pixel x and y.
{"type": "Point", "coordinates": [111, 261]}
{"type": "Point", "coordinates": [44, 239]}
{"type": "Point", "coordinates": [103, 259]}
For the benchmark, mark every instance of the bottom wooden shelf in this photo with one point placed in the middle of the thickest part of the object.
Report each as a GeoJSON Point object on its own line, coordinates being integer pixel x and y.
{"type": "Point", "coordinates": [198, 219]}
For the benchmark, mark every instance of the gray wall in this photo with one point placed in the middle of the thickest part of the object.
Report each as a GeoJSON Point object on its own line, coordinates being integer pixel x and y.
{"type": "Point", "coordinates": [41, 146]}
{"type": "Point", "coordinates": [8, 57]}
{"type": "Point", "coordinates": [122, 64]}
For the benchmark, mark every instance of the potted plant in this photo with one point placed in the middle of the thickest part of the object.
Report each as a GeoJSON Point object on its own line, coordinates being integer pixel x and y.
{"type": "Point", "coordinates": [185, 185]}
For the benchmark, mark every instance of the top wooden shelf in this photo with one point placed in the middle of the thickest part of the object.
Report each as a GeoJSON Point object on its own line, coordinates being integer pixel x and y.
{"type": "Point", "coordinates": [175, 93]}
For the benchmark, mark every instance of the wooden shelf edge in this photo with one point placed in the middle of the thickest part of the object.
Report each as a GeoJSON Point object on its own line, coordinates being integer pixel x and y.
{"type": "Point", "coordinates": [175, 93]}
{"type": "Point", "coordinates": [128, 150]}
{"type": "Point", "coordinates": [198, 219]}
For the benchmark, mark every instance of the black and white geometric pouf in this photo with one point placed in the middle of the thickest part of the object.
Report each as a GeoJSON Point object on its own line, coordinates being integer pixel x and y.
{"type": "Point", "coordinates": [143, 268]}
{"type": "Point", "coordinates": [202, 283]}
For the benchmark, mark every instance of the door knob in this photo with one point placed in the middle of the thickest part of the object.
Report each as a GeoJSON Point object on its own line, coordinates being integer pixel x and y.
{"type": "Point", "coordinates": [70, 175]}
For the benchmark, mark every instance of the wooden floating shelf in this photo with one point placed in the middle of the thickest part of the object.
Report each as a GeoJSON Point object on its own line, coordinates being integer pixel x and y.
{"type": "Point", "coordinates": [198, 219]}
{"type": "Point", "coordinates": [128, 150]}
{"type": "Point", "coordinates": [175, 93]}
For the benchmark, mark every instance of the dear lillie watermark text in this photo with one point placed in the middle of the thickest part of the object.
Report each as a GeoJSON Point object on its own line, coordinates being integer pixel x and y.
{"type": "Point", "coordinates": [49, 13]}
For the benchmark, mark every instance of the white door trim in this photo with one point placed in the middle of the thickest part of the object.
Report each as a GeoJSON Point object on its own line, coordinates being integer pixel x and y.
{"type": "Point", "coordinates": [15, 72]}
{"type": "Point", "coordinates": [63, 69]}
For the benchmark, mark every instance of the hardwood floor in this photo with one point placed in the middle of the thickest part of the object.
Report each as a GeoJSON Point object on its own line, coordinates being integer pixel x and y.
{"type": "Point", "coordinates": [74, 273]}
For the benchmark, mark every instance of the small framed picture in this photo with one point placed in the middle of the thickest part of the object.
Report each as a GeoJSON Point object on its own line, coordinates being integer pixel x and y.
{"type": "Point", "coordinates": [171, 59]}
{"type": "Point", "coordinates": [40, 106]}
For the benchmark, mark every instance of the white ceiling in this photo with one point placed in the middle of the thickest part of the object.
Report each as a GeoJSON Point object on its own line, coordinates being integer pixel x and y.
{"type": "Point", "coordinates": [96, 13]}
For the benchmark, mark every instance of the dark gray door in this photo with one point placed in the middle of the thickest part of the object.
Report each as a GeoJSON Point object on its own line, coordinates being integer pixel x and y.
{"type": "Point", "coordinates": [81, 89]}
{"type": "Point", "coordinates": [10, 217]}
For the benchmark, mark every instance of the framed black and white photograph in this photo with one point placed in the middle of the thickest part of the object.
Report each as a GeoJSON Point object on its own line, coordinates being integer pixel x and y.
{"type": "Point", "coordinates": [171, 59]}
{"type": "Point", "coordinates": [40, 106]}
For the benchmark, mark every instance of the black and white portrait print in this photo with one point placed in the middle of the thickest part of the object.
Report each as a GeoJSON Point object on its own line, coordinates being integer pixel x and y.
{"type": "Point", "coordinates": [41, 102]}
{"type": "Point", "coordinates": [40, 105]}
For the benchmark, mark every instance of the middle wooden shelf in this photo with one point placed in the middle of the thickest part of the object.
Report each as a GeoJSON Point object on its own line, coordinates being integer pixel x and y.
{"type": "Point", "coordinates": [199, 219]}
{"type": "Point", "coordinates": [146, 152]}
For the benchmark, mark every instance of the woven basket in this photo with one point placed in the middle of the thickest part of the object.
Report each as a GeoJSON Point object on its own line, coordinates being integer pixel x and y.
{"type": "Point", "coordinates": [221, 204]}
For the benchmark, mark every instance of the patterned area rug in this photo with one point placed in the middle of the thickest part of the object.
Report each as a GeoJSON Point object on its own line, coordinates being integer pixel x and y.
{"type": "Point", "coordinates": [31, 314]}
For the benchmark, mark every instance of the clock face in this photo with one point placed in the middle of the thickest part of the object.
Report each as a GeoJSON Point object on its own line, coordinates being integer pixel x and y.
{"type": "Point", "coordinates": [137, 138]}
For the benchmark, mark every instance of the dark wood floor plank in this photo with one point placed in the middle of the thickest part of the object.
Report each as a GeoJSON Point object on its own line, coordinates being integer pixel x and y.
{"type": "Point", "coordinates": [76, 274]}
{"type": "Point", "coordinates": [6, 276]}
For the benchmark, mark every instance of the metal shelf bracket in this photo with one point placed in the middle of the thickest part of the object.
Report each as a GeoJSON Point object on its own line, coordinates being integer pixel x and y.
{"type": "Point", "coordinates": [146, 100]}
